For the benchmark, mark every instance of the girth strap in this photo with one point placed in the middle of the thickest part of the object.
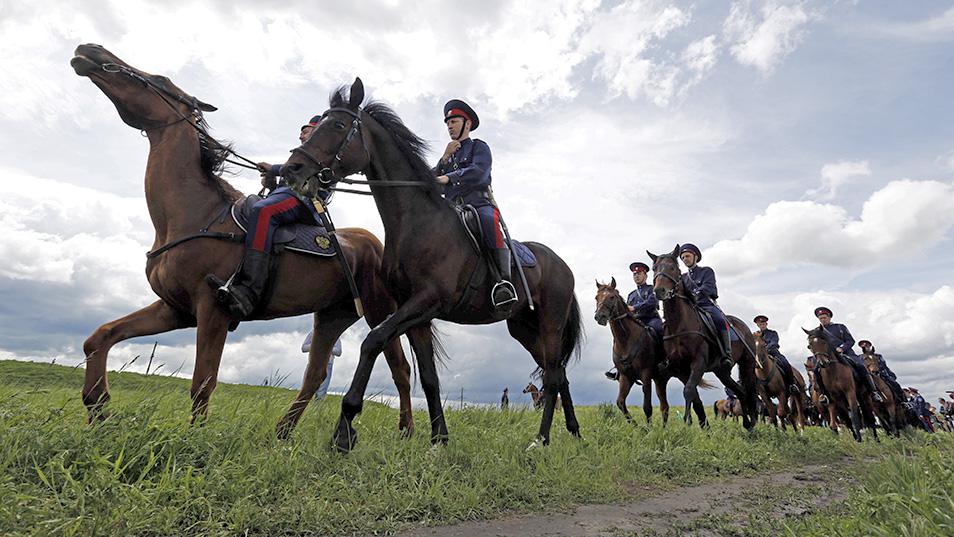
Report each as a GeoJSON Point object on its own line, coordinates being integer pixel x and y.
{"type": "Point", "coordinates": [203, 233]}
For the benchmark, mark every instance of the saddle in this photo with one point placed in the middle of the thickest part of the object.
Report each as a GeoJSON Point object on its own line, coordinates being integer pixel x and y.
{"type": "Point", "coordinates": [710, 327]}
{"type": "Point", "coordinates": [299, 237]}
{"type": "Point", "coordinates": [471, 222]}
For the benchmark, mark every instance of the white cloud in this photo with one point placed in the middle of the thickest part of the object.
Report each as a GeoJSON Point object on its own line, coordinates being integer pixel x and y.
{"type": "Point", "coordinates": [939, 28]}
{"type": "Point", "coordinates": [901, 218]}
{"type": "Point", "coordinates": [764, 39]}
{"type": "Point", "coordinates": [837, 174]}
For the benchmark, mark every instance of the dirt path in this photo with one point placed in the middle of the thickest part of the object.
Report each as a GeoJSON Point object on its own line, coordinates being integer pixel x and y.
{"type": "Point", "coordinates": [697, 510]}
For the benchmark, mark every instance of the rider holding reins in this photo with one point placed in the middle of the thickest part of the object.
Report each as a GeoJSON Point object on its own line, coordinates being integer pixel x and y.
{"type": "Point", "coordinates": [843, 342]}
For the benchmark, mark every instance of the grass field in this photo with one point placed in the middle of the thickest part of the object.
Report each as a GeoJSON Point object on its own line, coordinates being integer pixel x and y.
{"type": "Point", "coordinates": [146, 472]}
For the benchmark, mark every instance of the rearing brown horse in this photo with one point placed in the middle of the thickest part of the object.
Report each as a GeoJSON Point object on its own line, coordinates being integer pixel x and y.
{"type": "Point", "coordinates": [431, 266]}
{"type": "Point", "coordinates": [688, 347]}
{"type": "Point", "coordinates": [183, 195]}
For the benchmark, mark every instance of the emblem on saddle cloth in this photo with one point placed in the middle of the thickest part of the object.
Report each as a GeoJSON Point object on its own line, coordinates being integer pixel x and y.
{"type": "Point", "coordinates": [322, 242]}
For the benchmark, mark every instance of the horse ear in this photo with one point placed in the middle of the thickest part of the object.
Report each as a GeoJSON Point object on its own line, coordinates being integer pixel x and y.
{"type": "Point", "coordinates": [597, 283]}
{"type": "Point", "coordinates": [357, 94]}
{"type": "Point", "coordinates": [675, 251]}
{"type": "Point", "coordinates": [613, 283]}
{"type": "Point", "coordinates": [806, 331]}
{"type": "Point", "coordinates": [205, 107]}
{"type": "Point", "coordinates": [652, 256]}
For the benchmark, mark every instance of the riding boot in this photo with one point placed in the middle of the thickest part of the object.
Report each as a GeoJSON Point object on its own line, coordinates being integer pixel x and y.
{"type": "Point", "coordinates": [242, 292]}
{"type": "Point", "coordinates": [503, 292]}
{"type": "Point", "coordinates": [875, 393]}
{"type": "Point", "coordinates": [726, 349]}
{"type": "Point", "coordinates": [822, 392]}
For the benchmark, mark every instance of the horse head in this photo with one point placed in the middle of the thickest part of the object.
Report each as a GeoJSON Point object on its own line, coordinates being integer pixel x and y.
{"type": "Point", "coordinates": [871, 362]}
{"type": "Point", "coordinates": [822, 349]}
{"type": "Point", "coordinates": [338, 146]}
{"type": "Point", "coordinates": [609, 304]}
{"type": "Point", "coordinates": [531, 388]}
{"type": "Point", "coordinates": [666, 273]}
{"type": "Point", "coordinates": [761, 354]}
{"type": "Point", "coordinates": [144, 101]}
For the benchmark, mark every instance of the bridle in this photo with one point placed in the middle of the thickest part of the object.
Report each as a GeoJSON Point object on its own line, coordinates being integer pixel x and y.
{"type": "Point", "coordinates": [661, 274]}
{"type": "Point", "coordinates": [611, 311]}
{"type": "Point", "coordinates": [327, 174]}
{"type": "Point", "coordinates": [196, 120]}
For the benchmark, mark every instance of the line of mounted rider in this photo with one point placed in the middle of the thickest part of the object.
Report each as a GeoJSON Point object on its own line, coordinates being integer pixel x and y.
{"type": "Point", "coordinates": [700, 282]}
{"type": "Point", "coordinates": [464, 170]}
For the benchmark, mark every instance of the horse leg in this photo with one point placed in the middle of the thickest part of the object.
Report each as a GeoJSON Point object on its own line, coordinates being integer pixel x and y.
{"type": "Point", "coordinates": [782, 411]}
{"type": "Point", "coordinates": [419, 310]}
{"type": "Point", "coordinates": [210, 337]}
{"type": "Point", "coordinates": [625, 385]}
{"type": "Point", "coordinates": [422, 341]}
{"type": "Point", "coordinates": [569, 413]}
{"type": "Point", "coordinates": [854, 413]}
{"type": "Point", "coordinates": [691, 393]}
{"type": "Point", "coordinates": [725, 376]}
{"type": "Point", "coordinates": [647, 378]}
{"type": "Point", "coordinates": [322, 342]}
{"type": "Point", "coordinates": [661, 384]}
{"type": "Point", "coordinates": [155, 318]}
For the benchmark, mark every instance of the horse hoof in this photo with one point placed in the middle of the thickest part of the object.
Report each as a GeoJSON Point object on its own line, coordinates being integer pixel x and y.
{"type": "Point", "coordinates": [536, 444]}
{"type": "Point", "coordinates": [344, 442]}
{"type": "Point", "coordinates": [439, 440]}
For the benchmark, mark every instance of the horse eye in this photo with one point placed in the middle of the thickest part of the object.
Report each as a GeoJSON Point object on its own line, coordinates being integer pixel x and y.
{"type": "Point", "coordinates": [339, 125]}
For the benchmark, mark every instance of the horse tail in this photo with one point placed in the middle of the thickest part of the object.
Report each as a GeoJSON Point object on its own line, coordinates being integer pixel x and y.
{"type": "Point", "coordinates": [705, 385]}
{"type": "Point", "coordinates": [715, 408]}
{"type": "Point", "coordinates": [573, 335]}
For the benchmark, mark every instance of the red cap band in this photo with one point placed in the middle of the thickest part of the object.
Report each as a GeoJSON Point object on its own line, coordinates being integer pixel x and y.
{"type": "Point", "coordinates": [458, 112]}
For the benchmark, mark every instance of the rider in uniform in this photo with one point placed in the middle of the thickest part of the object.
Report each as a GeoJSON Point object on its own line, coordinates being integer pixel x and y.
{"type": "Point", "coordinates": [642, 302]}
{"type": "Point", "coordinates": [841, 339]}
{"type": "Point", "coordinates": [464, 170]}
{"type": "Point", "coordinates": [701, 282]}
{"type": "Point", "coordinates": [883, 370]}
{"type": "Point", "coordinates": [282, 206]}
{"type": "Point", "coordinates": [770, 337]}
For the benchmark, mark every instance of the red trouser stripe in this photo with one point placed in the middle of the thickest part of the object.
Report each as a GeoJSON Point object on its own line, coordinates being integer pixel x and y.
{"type": "Point", "coordinates": [266, 214]}
{"type": "Point", "coordinates": [497, 232]}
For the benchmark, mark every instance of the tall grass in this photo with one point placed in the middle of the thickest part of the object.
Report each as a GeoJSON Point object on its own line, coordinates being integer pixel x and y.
{"type": "Point", "coordinates": [146, 472]}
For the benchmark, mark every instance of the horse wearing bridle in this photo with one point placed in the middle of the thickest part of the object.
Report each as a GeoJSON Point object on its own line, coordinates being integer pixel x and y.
{"type": "Point", "coordinates": [188, 204]}
{"type": "Point", "coordinates": [432, 268]}
{"type": "Point", "coordinates": [772, 384]}
{"type": "Point", "coordinates": [888, 411]}
{"type": "Point", "coordinates": [846, 398]}
{"type": "Point", "coordinates": [635, 352]}
{"type": "Point", "coordinates": [688, 346]}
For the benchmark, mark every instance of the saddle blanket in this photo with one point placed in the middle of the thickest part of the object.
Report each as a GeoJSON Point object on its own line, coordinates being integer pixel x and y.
{"type": "Point", "coordinates": [299, 237]}
{"type": "Point", "coordinates": [524, 254]}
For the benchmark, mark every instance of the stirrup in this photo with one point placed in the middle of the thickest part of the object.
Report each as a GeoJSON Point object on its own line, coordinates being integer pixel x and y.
{"type": "Point", "coordinates": [503, 286]}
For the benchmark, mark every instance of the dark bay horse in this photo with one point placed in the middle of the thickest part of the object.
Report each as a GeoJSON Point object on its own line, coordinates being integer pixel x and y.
{"type": "Point", "coordinates": [430, 263]}
{"type": "Point", "coordinates": [772, 384]}
{"type": "Point", "coordinates": [688, 346]}
{"type": "Point", "coordinates": [846, 398]}
{"type": "Point", "coordinates": [888, 411]}
{"type": "Point", "coordinates": [635, 353]}
{"type": "Point", "coordinates": [184, 195]}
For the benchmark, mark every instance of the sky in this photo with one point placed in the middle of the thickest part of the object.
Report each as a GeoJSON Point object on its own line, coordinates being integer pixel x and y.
{"type": "Point", "coordinates": [806, 147]}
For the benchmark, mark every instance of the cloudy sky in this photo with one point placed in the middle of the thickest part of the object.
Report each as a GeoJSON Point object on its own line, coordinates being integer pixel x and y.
{"type": "Point", "coordinates": [807, 147]}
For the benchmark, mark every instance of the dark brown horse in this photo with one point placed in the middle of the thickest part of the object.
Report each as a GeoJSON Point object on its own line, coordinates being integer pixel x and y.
{"type": "Point", "coordinates": [846, 398]}
{"type": "Point", "coordinates": [635, 353]}
{"type": "Point", "coordinates": [888, 411]}
{"type": "Point", "coordinates": [689, 347]}
{"type": "Point", "coordinates": [772, 384]}
{"type": "Point", "coordinates": [431, 266]}
{"type": "Point", "coordinates": [184, 195]}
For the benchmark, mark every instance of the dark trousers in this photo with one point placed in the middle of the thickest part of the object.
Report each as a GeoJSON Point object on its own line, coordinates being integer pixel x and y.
{"type": "Point", "coordinates": [267, 215]}
{"type": "Point", "coordinates": [490, 226]}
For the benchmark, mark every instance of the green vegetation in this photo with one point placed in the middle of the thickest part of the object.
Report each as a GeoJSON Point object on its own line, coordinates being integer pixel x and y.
{"type": "Point", "coordinates": [146, 472]}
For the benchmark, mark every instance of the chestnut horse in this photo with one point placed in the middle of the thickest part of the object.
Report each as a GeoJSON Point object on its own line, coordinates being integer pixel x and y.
{"type": "Point", "coordinates": [688, 347]}
{"type": "Point", "coordinates": [722, 410]}
{"type": "Point", "coordinates": [772, 384]}
{"type": "Point", "coordinates": [846, 398]}
{"type": "Point", "coordinates": [432, 268]}
{"type": "Point", "coordinates": [184, 196]}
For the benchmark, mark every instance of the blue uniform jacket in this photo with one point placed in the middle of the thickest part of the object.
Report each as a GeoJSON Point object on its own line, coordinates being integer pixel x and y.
{"type": "Point", "coordinates": [644, 302]}
{"type": "Point", "coordinates": [841, 337]}
{"type": "Point", "coordinates": [883, 366]}
{"type": "Point", "coordinates": [468, 173]}
{"type": "Point", "coordinates": [770, 337]}
{"type": "Point", "coordinates": [701, 282]}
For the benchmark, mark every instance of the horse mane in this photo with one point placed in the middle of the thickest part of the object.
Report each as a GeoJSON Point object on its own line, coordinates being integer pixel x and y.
{"type": "Point", "coordinates": [212, 160]}
{"type": "Point", "coordinates": [411, 146]}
